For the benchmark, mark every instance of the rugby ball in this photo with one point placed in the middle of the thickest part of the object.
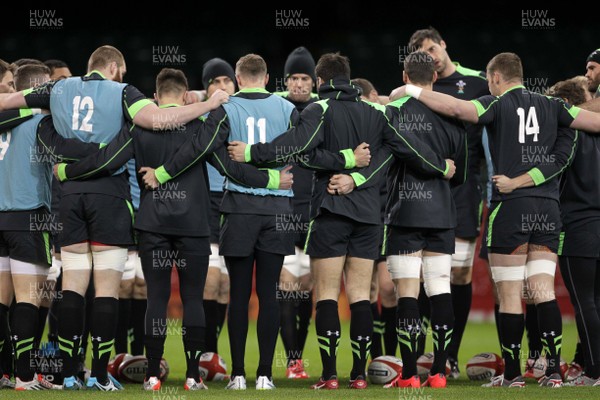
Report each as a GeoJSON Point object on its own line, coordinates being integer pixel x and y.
{"type": "Point", "coordinates": [384, 369]}
{"type": "Point", "coordinates": [115, 362]}
{"type": "Point", "coordinates": [134, 369]}
{"type": "Point", "coordinates": [484, 366]}
{"type": "Point", "coordinates": [539, 367]}
{"type": "Point", "coordinates": [212, 367]}
{"type": "Point", "coordinates": [424, 364]}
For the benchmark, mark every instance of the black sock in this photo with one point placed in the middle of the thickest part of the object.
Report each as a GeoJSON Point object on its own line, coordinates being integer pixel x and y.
{"type": "Point", "coordinates": [378, 329]}
{"type": "Point", "coordinates": [461, 303]}
{"type": "Point", "coordinates": [288, 312]}
{"type": "Point", "coordinates": [408, 330]}
{"type": "Point", "coordinates": [305, 310]}
{"type": "Point", "coordinates": [442, 327]}
{"type": "Point", "coordinates": [579, 357]}
{"type": "Point", "coordinates": [327, 324]}
{"type": "Point", "coordinates": [268, 270]}
{"type": "Point", "coordinates": [23, 331]}
{"type": "Point", "coordinates": [138, 316]}
{"type": "Point", "coordinates": [41, 325]}
{"type": "Point", "coordinates": [211, 311]}
{"type": "Point", "coordinates": [533, 332]}
{"type": "Point", "coordinates": [512, 327]}
{"type": "Point", "coordinates": [70, 330]}
{"type": "Point", "coordinates": [425, 312]}
{"type": "Point", "coordinates": [390, 340]}
{"type": "Point", "coordinates": [4, 334]}
{"type": "Point", "coordinates": [121, 333]}
{"type": "Point", "coordinates": [361, 333]}
{"type": "Point", "coordinates": [155, 346]}
{"type": "Point", "coordinates": [240, 277]}
{"type": "Point", "coordinates": [550, 325]}
{"type": "Point", "coordinates": [497, 320]}
{"type": "Point", "coordinates": [193, 341]}
{"type": "Point", "coordinates": [221, 314]}
{"type": "Point", "coordinates": [104, 325]}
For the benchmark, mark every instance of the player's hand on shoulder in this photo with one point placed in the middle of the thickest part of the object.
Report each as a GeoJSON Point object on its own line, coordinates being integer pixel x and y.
{"type": "Point", "coordinates": [219, 97]}
{"type": "Point", "coordinates": [237, 151]}
{"type": "Point", "coordinates": [286, 178]}
{"type": "Point", "coordinates": [451, 169]}
{"type": "Point", "coordinates": [362, 155]}
{"type": "Point", "coordinates": [149, 177]}
{"type": "Point", "coordinates": [397, 93]}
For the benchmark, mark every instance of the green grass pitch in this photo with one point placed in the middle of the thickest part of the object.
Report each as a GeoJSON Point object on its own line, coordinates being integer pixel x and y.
{"type": "Point", "coordinates": [479, 337]}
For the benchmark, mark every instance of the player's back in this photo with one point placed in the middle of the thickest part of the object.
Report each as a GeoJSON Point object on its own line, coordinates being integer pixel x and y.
{"type": "Point", "coordinates": [180, 206]}
{"type": "Point", "coordinates": [253, 120]}
{"type": "Point", "coordinates": [25, 175]}
{"type": "Point", "coordinates": [90, 110]}
{"type": "Point", "coordinates": [523, 128]}
{"type": "Point", "coordinates": [349, 122]}
{"type": "Point", "coordinates": [416, 200]}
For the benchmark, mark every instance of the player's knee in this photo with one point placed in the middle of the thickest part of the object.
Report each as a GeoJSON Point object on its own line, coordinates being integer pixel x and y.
{"type": "Point", "coordinates": [460, 275]}
{"type": "Point", "coordinates": [436, 274]}
{"type": "Point", "coordinates": [211, 286]}
{"type": "Point", "coordinates": [75, 269]}
{"type": "Point", "coordinates": [126, 288]}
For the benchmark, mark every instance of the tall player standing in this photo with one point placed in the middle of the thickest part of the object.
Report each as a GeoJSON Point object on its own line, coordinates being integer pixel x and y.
{"type": "Point", "coordinates": [467, 84]}
{"type": "Point", "coordinates": [96, 215]}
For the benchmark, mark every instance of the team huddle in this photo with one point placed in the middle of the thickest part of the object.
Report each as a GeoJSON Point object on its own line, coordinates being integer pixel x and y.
{"type": "Point", "coordinates": [324, 182]}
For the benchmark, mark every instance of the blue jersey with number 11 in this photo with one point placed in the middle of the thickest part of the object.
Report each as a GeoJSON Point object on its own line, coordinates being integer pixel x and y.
{"type": "Point", "coordinates": [253, 121]}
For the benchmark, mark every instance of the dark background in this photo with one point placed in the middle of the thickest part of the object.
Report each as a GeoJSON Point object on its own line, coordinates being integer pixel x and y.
{"type": "Point", "coordinates": [370, 35]}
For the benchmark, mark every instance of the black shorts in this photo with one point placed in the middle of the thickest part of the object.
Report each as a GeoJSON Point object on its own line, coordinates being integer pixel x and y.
{"type": "Point", "coordinates": [159, 246]}
{"type": "Point", "coordinates": [514, 222]}
{"type": "Point", "coordinates": [403, 240]}
{"type": "Point", "coordinates": [214, 216]}
{"type": "Point", "coordinates": [301, 215]}
{"type": "Point", "coordinates": [241, 234]}
{"type": "Point", "coordinates": [97, 218]}
{"type": "Point", "coordinates": [33, 247]}
{"type": "Point", "coordinates": [581, 241]}
{"type": "Point", "coordinates": [333, 235]}
{"type": "Point", "coordinates": [468, 200]}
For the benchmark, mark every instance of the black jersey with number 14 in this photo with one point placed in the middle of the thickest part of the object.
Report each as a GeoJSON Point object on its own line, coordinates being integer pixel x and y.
{"type": "Point", "coordinates": [524, 136]}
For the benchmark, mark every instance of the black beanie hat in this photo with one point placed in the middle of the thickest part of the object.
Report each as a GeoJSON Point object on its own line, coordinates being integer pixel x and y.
{"type": "Point", "coordinates": [300, 61]}
{"type": "Point", "coordinates": [214, 68]}
{"type": "Point", "coordinates": [594, 56]}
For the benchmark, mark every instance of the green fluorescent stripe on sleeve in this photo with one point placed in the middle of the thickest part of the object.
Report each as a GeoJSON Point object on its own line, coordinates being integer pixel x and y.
{"type": "Point", "coordinates": [537, 176]}
{"type": "Point", "coordinates": [447, 168]}
{"type": "Point", "coordinates": [106, 163]}
{"type": "Point", "coordinates": [162, 175]}
{"type": "Point", "coordinates": [28, 91]}
{"type": "Point", "coordinates": [248, 153]}
{"type": "Point", "coordinates": [349, 157]}
{"type": "Point", "coordinates": [137, 106]}
{"type": "Point", "coordinates": [323, 104]}
{"type": "Point", "coordinates": [480, 109]}
{"type": "Point", "coordinates": [491, 224]}
{"type": "Point", "coordinates": [273, 179]}
{"type": "Point", "coordinates": [25, 112]}
{"type": "Point", "coordinates": [358, 178]}
{"type": "Point", "coordinates": [561, 243]}
{"type": "Point", "coordinates": [574, 111]}
{"type": "Point", "coordinates": [62, 173]}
